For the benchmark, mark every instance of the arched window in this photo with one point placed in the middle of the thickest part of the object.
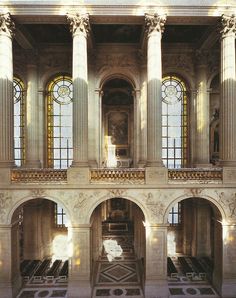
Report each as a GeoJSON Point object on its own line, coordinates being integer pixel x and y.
{"type": "Point", "coordinates": [19, 114]}
{"type": "Point", "coordinates": [59, 122]}
{"type": "Point", "coordinates": [174, 122]}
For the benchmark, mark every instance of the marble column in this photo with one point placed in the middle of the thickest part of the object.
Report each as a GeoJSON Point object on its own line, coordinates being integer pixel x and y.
{"type": "Point", "coordinates": [6, 92]}
{"type": "Point", "coordinates": [228, 92]}
{"type": "Point", "coordinates": [79, 25]}
{"type": "Point", "coordinates": [202, 154]}
{"type": "Point", "coordinates": [32, 114]}
{"type": "Point", "coordinates": [154, 28]}
{"type": "Point", "coordinates": [156, 261]}
{"type": "Point", "coordinates": [228, 284]}
{"type": "Point", "coordinates": [80, 267]}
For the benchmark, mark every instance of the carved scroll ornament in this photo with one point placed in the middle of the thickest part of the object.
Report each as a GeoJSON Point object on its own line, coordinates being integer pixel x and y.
{"type": "Point", "coordinates": [79, 22]}
{"type": "Point", "coordinates": [6, 24]}
{"type": "Point", "coordinates": [154, 22]}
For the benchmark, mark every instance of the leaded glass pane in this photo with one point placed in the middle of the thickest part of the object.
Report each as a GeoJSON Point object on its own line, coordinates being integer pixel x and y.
{"type": "Point", "coordinates": [59, 118]}
{"type": "Point", "coordinates": [19, 113]}
{"type": "Point", "coordinates": [174, 122]}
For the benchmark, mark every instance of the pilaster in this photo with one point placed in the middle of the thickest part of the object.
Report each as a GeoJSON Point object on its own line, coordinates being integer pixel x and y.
{"type": "Point", "coordinates": [228, 287]}
{"type": "Point", "coordinates": [79, 26]}
{"type": "Point", "coordinates": [156, 261]}
{"type": "Point", "coordinates": [154, 28]}
{"type": "Point", "coordinates": [6, 287]}
{"type": "Point", "coordinates": [202, 154]}
{"type": "Point", "coordinates": [32, 113]}
{"type": "Point", "coordinates": [79, 269]}
{"type": "Point", "coordinates": [6, 96]}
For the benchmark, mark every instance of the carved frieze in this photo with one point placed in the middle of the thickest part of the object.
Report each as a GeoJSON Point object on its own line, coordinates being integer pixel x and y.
{"type": "Point", "coordinates": [6, 24]}
{"type": "Point", "coordinates": [38, 193]}
{"type": "Point", "coordinates": [228, 25]}
{"type": "Point", "coordinates": [156, 208]}
{"type": "Point", "coordinates": [79, 22]}
{"type": "Point", "coordinates": [180, 62]}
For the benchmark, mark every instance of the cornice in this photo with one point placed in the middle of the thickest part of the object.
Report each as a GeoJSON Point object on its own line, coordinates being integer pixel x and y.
{"type": "Point", "coordinates": [52, 12]}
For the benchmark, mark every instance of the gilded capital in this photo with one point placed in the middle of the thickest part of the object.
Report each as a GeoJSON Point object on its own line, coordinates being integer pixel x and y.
{"type": "Point", "coordinates": [6, 24]}
{"type": "Point", "coordinates": [228, 25]}
{"type": "Point", "coordinates": [154, 22]}
{"type": "Point", "coordinates": [79, 22]}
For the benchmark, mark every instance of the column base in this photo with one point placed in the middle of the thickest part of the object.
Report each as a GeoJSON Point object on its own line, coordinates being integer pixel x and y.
{"type": "Point", "coordinates": [229, 174]}
{"type": "Point", "coordinates": [80, 164]}
{"type": "Point", "coordinates": [7, 164]}
{"type": "Point", "coordinates": [228, 163]}
{"type": "Point", "coordinates": [203, 165]}
{"type": "Point", "coordinates": [78, 175]}
{"type": "Point", "coordinates": [93, 164]}
{"type": "Point", "coordinates": [5, 176]}
{"type": "Point", "coordinates": [32, 164]}
{"type": "Point", "coordinates": [79, 288]}
{"type": "Point", "coordinates": [156, 175]}
{"type": "Point", "coordinates": [228, 289]}
{"type": "Point", "coordinates": [156, 289]}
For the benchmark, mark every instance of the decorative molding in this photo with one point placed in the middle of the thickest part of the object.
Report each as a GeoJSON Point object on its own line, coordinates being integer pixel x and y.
{"type": "Point", "coordinates": [228, 25]}
{"type": "Point", "coordinates": [6, 24]}
{"type": "Point", "coordinates": [5, 203]}
{"type": "Point", "coordinates": [201, 175]}
{"type": "Point", "coordinates": [154, 22]}
{"type": "Point", "coordinates": [38, 193]}
{"type": "Point", "coordinates": [79, 22]}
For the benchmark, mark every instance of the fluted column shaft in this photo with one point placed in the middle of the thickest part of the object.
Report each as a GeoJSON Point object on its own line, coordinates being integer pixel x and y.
{"type": "Point", "coordinates": [32, 115]}
{"type": "Point", "coordinates": [79, 28]}
{"type": "Point", "coordinates": [202, 154]}
{"type": "Point", "coordinates": [6, 93]}
{"type": "Point", "coordinates": [228, 92]}
{"type": "Point", "coordinates": [154, 27]}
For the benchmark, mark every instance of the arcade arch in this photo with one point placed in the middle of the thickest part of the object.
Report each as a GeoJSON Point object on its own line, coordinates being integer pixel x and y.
{"type": "Point", "coordinates": [121, 223]}
{"type": "Point", "coordinates": [196, 235]}
{"type": "Point", "coordinates": [39, 240]}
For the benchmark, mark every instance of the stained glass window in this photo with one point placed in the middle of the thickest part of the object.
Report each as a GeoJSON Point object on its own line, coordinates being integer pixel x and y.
{"type": "Point", "coordinates": [19, 114]}
{"type": "Point", "coordinates": [59, 122]}
{"type": "Point", "coordinates": [174, 122]}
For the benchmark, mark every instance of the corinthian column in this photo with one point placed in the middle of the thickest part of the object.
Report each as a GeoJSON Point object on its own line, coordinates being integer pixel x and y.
{"type": "Point", "coordinates": [6, 94]}
{"type": "Point", "coordinates": [202, 154]}
{"type": "Point", "coordinates": [154, 28]}
{"type": "Point", "coordinates": [79, 25]}
{"type": "Point", "coordinates": [228, 92]}
{"type": "Point", "coordinates": [32, 114]}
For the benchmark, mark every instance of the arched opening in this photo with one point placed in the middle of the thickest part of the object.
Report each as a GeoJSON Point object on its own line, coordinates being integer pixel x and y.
{"type": "Point", "coordinates": [195, 246]}
{"type": "Point", "coordinates": [117, 123]}
{"type": "Point", "coordinates": [118, 248]}
{"type": "Point", "coordinates": [40, 246]}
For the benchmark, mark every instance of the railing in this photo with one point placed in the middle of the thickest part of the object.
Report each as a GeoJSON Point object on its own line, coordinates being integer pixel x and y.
{"type": "Point", "coordinates": [195, 174]}
{"type": "Point", "coordinates": [38, 175]}
{"type": "Point", "coordinates": [115, 175]}
{"type": "Point", "coordinates": [126, 176]}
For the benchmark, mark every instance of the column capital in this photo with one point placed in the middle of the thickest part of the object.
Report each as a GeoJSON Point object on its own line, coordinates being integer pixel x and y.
{"type": "Point", "coordinates": [227, 25]}
{"type": "Point", "coordinates": [79, 22]}
{"type": "Point", "coordinates": [154, 22]}
{"type": "Point", "coordinates": [6, 24]}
